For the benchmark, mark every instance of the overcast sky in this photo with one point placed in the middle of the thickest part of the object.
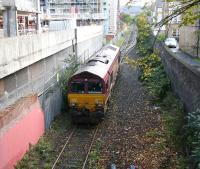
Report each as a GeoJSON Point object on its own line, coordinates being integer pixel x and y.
{"type": "Point", "coordinates": [123, 2]}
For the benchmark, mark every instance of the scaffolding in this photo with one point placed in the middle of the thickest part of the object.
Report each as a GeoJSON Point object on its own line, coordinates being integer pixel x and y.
{"type": "Point", "coordinates": [74, 6]}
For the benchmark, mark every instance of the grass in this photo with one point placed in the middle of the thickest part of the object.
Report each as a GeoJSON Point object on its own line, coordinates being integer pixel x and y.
{"type": "Point", "coordinates": [120, 42]}
{"type": "Point", "coordinates": [94, 156]}
{"type": "Point", "coordinates": [173, 119]}
{"type": "Point", "coordinates": [197, 60]}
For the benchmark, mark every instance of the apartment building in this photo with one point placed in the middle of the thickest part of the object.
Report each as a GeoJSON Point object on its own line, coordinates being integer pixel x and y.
{"type": "Point", "coordinates": [71, 13]}
{"type": "Point", "coordinates": [173, 27]}
{"type": "Point", "coordinates": [158, 15]}
{"type": "Point", "coordinates": [19, 17]}
{"type": "Point", "coordinates": [113, 18]}
{"type": "Point", "coordinates": [105, 11]}
{"type": "Point", "coordinates": [189, 39]}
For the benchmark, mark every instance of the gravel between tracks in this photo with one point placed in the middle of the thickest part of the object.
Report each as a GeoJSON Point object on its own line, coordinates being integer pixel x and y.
{"type": "Point", "coordinates": [130, 117]}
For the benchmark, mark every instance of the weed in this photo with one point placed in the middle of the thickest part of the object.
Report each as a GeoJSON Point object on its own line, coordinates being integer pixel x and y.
{"type": "Point", "coordinates": [197, 60]}
{"type": "Point", "coordinates": [160, 144]}
{"type": "Point", "coordinates": [120, 42]}
{"type": "Point", "coordinates": [153, 134]}
{"type": "Point", "coordinates": [161, 37]}
{"type": "Point", "coordinates": [95, 155]}
{"type": "Point", "coordinates": [43, 154]}
{"type": "Point", "coordinates": [193, 135]}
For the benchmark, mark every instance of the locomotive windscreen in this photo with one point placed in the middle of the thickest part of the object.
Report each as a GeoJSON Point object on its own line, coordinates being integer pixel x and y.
{"type": "Point", "coordinates": [95, 87]}
{"type": "Point", "coordinates": [77, 87]}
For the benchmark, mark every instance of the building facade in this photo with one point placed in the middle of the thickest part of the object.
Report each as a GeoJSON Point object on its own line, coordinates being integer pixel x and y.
{"type": "Point", "coordinates": [113, 18]}
{"type": "Point", "coordinates": [71, 13]}
{"type": "Point", "coordinates": [158, 15]}
{"type": "Point", "coordinates": [172, 28]}
{"type": "Point", "coordinates": [189, 39]}
{"type": "Point", "coordinates": [19, 17]}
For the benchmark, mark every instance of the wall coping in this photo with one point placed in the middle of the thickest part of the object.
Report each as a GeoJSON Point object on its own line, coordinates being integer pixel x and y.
{"type": "Point", "coordinates": [185, 59]}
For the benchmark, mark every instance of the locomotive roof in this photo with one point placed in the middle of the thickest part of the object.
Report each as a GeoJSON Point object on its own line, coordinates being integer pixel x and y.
{"type": "Point", "coordinates": [100, 63]}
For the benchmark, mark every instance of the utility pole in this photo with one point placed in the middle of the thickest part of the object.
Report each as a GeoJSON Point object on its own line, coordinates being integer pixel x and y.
{"type": "Point", "coordinates": [76, 44]}
{"type": "Point", "coordinates": [198, 39]}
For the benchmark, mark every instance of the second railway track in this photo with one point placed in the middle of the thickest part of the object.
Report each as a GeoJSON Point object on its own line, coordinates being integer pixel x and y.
{"type": "Point", "coordinates": [76, 150]}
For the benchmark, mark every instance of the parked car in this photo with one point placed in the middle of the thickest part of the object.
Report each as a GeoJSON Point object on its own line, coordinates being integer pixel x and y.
{"type": "Point", "coordinates": [171, 43]}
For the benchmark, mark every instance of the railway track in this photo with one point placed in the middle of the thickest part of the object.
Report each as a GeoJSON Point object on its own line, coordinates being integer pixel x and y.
{"type": "Point", "coordinates": [130, 42]}
{"type": "Point", "coordinates": [76, 150]}
{"type": "Point", "coordinates": [78, 144]}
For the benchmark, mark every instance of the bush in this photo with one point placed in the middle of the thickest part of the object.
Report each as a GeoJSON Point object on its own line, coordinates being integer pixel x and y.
{"type": "Point", "coordinates": [193, 136]}
{"type": "Point", "coordinates": [144, 34]}
{"type": "Point", "coordinates": [161, 37]}
{"type": "Point", "coordinates": [154, 76]}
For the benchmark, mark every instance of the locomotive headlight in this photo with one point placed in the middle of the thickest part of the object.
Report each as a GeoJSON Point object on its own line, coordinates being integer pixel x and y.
{"type": "Point", "coordinates": [99, 105]}
{"type": "Point", "coordinates": [73, 104]}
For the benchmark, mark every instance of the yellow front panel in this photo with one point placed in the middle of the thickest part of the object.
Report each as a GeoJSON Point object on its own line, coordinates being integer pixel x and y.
{"type": "Point", "coordinates": [86, 101]}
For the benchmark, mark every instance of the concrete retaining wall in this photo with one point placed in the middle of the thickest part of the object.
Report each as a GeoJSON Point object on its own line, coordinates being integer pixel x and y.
{"type": "Point", "coordinates": [21, 124]}
{"type": "Point", "coordinates": [19, 52]}
{"type": "Point", "coordinates": [51, 102]}
{"type": "Point", "coordinates": [22, 51]}
{"type": "Point", "coordinates": [185, 78]}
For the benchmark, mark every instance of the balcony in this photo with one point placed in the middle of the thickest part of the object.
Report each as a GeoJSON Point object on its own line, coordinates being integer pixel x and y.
{"type": "Point", "coordinates": [23, 5]}
{"type": "Point", "coordinates": [80, 16]}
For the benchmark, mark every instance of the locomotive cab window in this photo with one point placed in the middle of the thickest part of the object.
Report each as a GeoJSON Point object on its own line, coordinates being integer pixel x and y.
{"type": "Point", "coordinates": [77, 87]}
{"type": "Point", "coordinates": [95, 87]}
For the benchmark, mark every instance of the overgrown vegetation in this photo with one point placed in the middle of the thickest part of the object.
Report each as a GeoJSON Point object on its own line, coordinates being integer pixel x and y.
{"type": "Point", "coordinates": [122, 39]}
{"type": "Point", "coordinates": [95, 155]}
{"type": "Point", "coordinates": [144, 40]}
{"type": "Point", "coordinates": [197, 60]}
{"type": "Point", "coordinates": [46, 151]}
{"type": "Point", "coordinates": [153, 75]}
{"type": "Point", "coordinates": [127, 19]}
{"type": "Point", "coordinates": [71, 66]}
{"type": "Point", "coordinates": [158, 85]}
{"type": "Point", "coordinates": [193, 137]}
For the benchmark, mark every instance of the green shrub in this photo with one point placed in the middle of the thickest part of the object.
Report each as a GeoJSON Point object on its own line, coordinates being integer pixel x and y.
{"type": "Point", "coordinates": [173, 118]}
{"type": "Point", "coordinates": [95, 155]}
{"type": "Point", "coordinates": [154, 76]}
{"type": "Point", "coordinates": [64, 76]}
{"type": "Point", "coordinates": [193, 135]}
{"type": "Point", "coordinates": [161, 37]}
{"type": "Point", "coordinates": [144, 34]}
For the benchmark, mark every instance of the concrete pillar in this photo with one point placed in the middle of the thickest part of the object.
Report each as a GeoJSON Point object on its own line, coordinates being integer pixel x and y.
{"type": "Point", "coordinates": [39, 30]}
{"type": "Point", "coordinates": [38, 16]}
{"type": "Point", "coordinates": [10, 21]}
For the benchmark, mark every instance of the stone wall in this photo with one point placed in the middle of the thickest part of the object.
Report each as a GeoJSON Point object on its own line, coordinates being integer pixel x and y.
{"type": "Point", "coordinates": [184, 76]}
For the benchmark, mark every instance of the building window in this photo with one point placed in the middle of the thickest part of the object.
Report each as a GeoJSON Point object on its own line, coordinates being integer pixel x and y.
{"type": "Point", "coordinates": [1, 22]}
{"type": "Point", "coordinates": [52, 10]}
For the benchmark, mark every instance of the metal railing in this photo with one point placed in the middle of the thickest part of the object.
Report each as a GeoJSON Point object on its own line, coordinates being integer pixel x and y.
{"type": "Point", "coordinates": [60, 16]}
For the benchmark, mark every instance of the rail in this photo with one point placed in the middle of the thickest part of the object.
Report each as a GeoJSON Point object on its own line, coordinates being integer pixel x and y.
{"type": "Point", "coordinates": [84, 140]}
{"type": "Point", "coordinates": [113, 166]}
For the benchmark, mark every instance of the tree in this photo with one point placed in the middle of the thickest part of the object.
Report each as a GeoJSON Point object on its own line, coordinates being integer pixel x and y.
{"type": "Point", "coordinates": [126, 18]}
{"type": "Point", "coordinates": [189, 9]}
